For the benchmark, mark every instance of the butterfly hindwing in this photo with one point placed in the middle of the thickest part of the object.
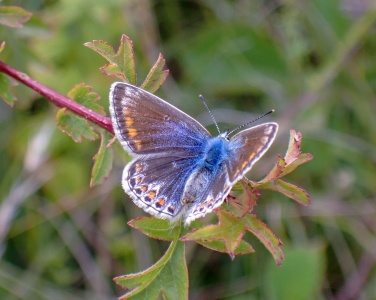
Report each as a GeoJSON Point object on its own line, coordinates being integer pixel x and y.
{"type": "Point", "coordinates": [212, 197]}
{"type": "Point", "coordinates": [247, 147]}
{"type": "Point", "coordinates": [156, 184]}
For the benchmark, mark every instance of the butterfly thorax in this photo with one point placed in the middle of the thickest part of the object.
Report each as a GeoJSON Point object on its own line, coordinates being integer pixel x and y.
{"type": "Point", "coordinates": [216, 151]}
{"type": "Point", "coordinates": [211, 162]}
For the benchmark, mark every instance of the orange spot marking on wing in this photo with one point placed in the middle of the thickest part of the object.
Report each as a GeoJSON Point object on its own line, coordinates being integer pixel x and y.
{"type": "Point", "coordinates": [151, 194]}
{"type": "Point", "coordinates": [144, 188]}
{"type": "Point", "coordinates": [137, 144]}
{"type": "Point", "coordinates": [129, 121]}
{"type": "Point", "coordinates": [252, 156]}
{"type": "Point", "coordinates": [132, 132]}
{"type": "Point", "coordinates": [160, 202]}
{"type": "Point", "coordinates": [127, 112]}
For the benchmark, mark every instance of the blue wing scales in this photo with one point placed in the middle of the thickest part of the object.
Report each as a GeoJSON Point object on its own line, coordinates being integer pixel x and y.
{"type": "Point", "coordinates": [145, 124]}
{"type": "Point", "coordinates": [156, 184]}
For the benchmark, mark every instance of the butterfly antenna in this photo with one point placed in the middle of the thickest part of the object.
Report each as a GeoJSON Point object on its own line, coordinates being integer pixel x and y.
{"type": "Point", "coordinates": [246, 124]}
{"type": "Point", "coordinates": [210, 113]}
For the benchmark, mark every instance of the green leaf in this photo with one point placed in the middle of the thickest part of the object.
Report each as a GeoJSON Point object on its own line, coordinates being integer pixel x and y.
{"type": "Point", "coordinates": [288, 189]}
{"type": "Point", "coordinates": [276, 172]}
{"type": "Point", "coordinates": [220, 246]}
{"type": "Point", "coordinates": [75, 126]}
{"type": "Point", "coordinates": [156, 76]}
{"type": "Point", "coordinates": [301, 159]}
{"type": "Point", "coordinates": [244, 201]}
{"type": "Point", "coordinates": [294, 148]}
{"type": "Point", "coordinates": [5, 90]}
{"type": "Point", "coordinates": [294, 156]}
{"type": "Point", "coordinates": [157, 228]}
{"type": "Point", "coordinates": [13, 16]}
{"type": "Point", "coordinates": [102, 161]}
{"type": "Point", "coordinates": [122, 63]}
{"type": "Point", "coordinates": [293, 159]}
{"type": "Point", "coordinates": [168, 277]}
{"type": "Point", "coordinates": [230, 229]}
{"type": "Point", "coordinates": [266, 236]}
{"type": "Point", "coordinates": [83, 94]}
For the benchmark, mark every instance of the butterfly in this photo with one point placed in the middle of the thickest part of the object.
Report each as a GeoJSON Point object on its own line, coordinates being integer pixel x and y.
{"type": "Point", "coordinates": [179, 171]}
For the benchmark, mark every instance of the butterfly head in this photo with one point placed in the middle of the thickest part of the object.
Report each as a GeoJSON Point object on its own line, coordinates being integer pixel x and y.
{"type": "Point", "coordinates": [225, 134]}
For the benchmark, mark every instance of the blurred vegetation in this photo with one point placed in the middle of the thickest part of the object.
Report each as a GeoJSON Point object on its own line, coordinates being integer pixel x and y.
{"type": "Point", "coordinates": [313, 61]}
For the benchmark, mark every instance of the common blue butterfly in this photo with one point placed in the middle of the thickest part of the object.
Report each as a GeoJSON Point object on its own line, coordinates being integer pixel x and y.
{"type": "Point", "coordinates": [179, 170]}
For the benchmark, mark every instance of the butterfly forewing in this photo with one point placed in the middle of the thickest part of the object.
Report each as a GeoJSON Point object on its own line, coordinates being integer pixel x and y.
{"type": "Point", "coordinates": [146, 124]}
{"type": "Point", "coordinates": [247, 147]}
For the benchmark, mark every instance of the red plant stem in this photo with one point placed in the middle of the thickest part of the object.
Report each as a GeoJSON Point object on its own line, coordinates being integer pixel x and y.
{"type": "Point", "coordinates": [57, 99]}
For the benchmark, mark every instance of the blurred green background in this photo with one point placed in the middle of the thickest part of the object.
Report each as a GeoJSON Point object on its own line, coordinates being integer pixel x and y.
{"type": "Point", "coordinates": [313, 61]}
